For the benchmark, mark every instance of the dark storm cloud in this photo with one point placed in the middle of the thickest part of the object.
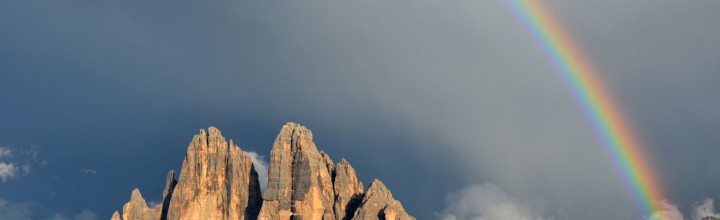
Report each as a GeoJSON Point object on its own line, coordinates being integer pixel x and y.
{"type": "Point", "coordinates": [430, 97]}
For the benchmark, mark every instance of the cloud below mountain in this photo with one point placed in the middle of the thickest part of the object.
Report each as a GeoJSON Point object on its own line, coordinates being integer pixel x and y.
{"type": "Point", "coordinates": [488, 202]}
{"type": "Point", "coordinates": [261, 166]}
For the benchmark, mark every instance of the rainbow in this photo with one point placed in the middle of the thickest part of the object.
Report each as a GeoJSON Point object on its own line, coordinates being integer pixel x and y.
{"type": "Point", "coordinates": [596, 103]}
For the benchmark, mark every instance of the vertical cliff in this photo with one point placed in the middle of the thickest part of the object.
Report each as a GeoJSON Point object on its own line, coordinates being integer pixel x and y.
{"type": "Point", "coordinates": [218, 181]}
{"type": "Point", "coordinates": [300, 182]}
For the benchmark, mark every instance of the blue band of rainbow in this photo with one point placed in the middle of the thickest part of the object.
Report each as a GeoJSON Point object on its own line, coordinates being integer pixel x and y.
{"type": "Point", "coordinates": [596, 103]}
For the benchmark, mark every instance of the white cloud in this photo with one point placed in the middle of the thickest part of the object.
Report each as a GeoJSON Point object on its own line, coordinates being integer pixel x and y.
{"type": "Point", "coordinates": [487, 202]}
{"type": "Point", "coordinates": [668, 212]}
{"type": "Point", "coordinates": [17, 211]}
{"type": "Point", "coordinates": [261, 166]}
{"type": "Point", "coordinates": [704, 209]}
{"type": "Point", "coordinates": [14, 163]}
{"type": "Point", "coordinates": [86, 215]}
{"type": "Point", "coordinates": [7, 171]}
{"type": "Point", "coordinates": [700, 210]}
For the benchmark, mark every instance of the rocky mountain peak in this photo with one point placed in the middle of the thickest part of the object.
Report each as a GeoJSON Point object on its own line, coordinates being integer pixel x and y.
{"type": "Point", "coordinates": [136, 196]}
{"type": "Point", "coordinates": [294, 137]}
{"type": "Point", "coordinates": [218, 181]}
{"type": "Point", "coordinates": [115, 216]}
{"type": "Point", "coordinates": [378, 201]}
{"type": "Point", "coordinates": [138, 209]}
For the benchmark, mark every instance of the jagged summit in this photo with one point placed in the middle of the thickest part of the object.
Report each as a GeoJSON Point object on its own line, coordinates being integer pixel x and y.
{"type": "Point", "coordinates": [294, 137]}
{"type": "Point", "coordinates": [218, 181]}
{"type": "Point", "coordinates": [136, 194]}
{"type": "Point", "coordinates": [137, 208]}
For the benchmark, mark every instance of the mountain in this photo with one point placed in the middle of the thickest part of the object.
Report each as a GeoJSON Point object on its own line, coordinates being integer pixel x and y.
{"type": "Point", "coordinates": [218, 181]}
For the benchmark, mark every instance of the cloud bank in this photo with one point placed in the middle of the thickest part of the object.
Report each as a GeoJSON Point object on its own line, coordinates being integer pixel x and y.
{"type": "Point", "coordinates": [700, 210]}
{"type": "Point", "coordinates": [488, 202]}
{"type": "Point", "coordinates": [391, 80]}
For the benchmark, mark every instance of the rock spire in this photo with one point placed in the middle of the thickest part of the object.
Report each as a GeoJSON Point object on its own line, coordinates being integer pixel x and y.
{"type": "Point", "coordinates": [218, 181]}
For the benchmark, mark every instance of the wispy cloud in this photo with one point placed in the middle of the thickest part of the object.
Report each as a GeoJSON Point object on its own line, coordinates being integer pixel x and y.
{"type": "Point", "coordinates": [7, 169]}
{"type": "Point", "coordinates": [488, 202]}
{"type": "Point", "coordinates": [88, 171]}
{"type": "Point", "coordinates": [15, 162]}
{"type": "Point", "coordinates": [17, 211]}
{"type": "Point", "coordinates": [85, 214]}
{"type": "Point", "coordinates": [261, 166]}
{"type": "Point", "coordinates": [4, 151]}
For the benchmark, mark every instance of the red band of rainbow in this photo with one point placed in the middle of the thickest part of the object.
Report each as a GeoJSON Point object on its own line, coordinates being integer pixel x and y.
{"type": "Point", "coordinates": [596, 102]}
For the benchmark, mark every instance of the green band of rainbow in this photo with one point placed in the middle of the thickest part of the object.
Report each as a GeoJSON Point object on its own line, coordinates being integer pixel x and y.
{"type": "Point", "coordinates": [596, 102]}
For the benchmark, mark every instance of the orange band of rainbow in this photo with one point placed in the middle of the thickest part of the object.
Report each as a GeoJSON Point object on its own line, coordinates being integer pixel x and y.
{"type": "Point", "coordinates": [597, 104]}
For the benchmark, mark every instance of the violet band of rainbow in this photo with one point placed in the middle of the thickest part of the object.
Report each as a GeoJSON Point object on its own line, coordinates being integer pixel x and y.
{"type": "Point", "coordinates": [596, 102]}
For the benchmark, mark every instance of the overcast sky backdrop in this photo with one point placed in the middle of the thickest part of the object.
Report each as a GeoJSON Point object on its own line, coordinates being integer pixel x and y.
{"type": "Point", "coordinates": [450, 103]}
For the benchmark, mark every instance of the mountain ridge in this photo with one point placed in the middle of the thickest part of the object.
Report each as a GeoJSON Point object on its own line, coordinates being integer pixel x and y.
{"type": "Point", "coordinates": [219, 181]}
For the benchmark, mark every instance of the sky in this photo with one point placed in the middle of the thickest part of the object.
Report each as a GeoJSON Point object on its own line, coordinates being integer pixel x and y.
{"type": "Point", "coordinates": [452, 104]}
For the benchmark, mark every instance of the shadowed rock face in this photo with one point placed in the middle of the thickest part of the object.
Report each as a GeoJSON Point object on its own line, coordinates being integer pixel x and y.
{"type": "Point", "coordinates": [378, 202]}
{"type": "Point", "coordinates": [300, 182]}
{"type": "Point", "coordinates": [218, 181]}
{"type": "Point", "coordinates": [348, 191]}
{"type": "Point", "coordinates": [170, 184]}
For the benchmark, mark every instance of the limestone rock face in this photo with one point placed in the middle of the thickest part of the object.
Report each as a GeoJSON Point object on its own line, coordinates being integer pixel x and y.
{"type": "Point", "coordinates": [115, 216]}
{"type": "Point", "coordinates": [217, 181]}
{"type": "Point", "coordinates": [136, 208]}
{"type": "Point", "coordinates": [378, 203]}
{"type": "Point", "coordinates": [348, 190]}
{"type": "Point", "coordinates": [170, 184]}
{"type": "Point", "coordinates": [300, 179]}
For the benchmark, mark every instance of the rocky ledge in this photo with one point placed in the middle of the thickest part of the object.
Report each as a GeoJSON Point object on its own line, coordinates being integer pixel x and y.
{"type": "Point", "coordinates": [218, 181]}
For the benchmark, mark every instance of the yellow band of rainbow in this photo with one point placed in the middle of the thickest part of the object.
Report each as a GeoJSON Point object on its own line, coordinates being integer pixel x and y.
{"type": "Point", "coordinates": [596, 102]}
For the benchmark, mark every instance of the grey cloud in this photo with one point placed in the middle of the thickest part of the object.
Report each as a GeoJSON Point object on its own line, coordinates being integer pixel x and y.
{"type": "Point", "coordinates": [408, 90]}
{"type": "Point", "coordinates": [5, 152]}
{"type": "Point", "coordinates": [18, 211]}
{"type": "Point", "coordinates": [86, 215]}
